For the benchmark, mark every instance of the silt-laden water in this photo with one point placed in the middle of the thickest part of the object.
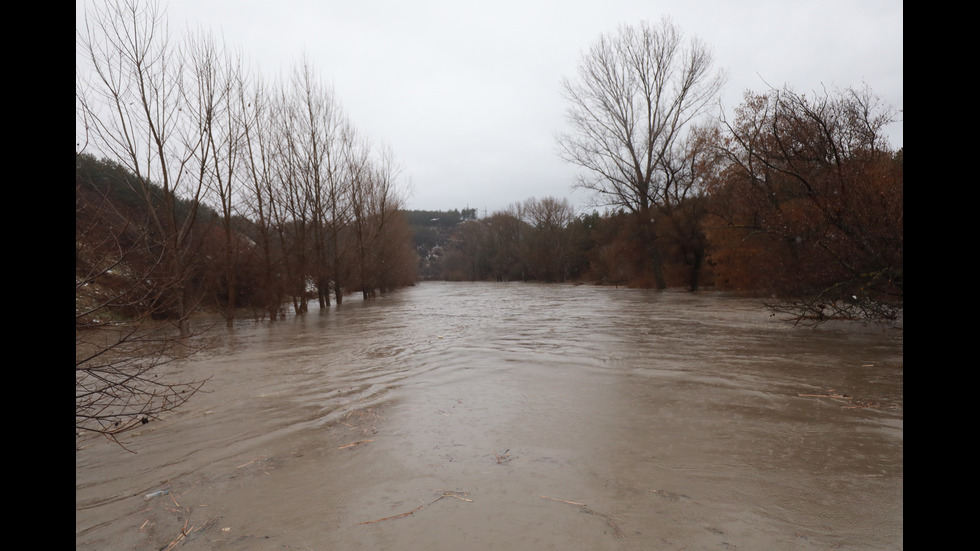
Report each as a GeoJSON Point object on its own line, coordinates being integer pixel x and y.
{"type": "Point", "coordinates": [513, 416]}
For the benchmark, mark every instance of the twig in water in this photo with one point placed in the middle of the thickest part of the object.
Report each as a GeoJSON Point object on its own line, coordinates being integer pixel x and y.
{"type": "Point", "coordinates": [586, 509]}
{"type": "Point", "coordinates": [502, 458]}
{"type": "Point", "coordinates": [183, 534]}
{"type": "Point", "coordinates": [352, 444]}
{"type": "Point", "coordinates": [563, 501]}
{"type": "Point", "coordinates": [395, 516]}
{"type": "Point", "coordinates": [451, 493]}
{"type": "Point", "coordinates": [445, 493]}
{"type": "Point", "coordinates": [249, 463]}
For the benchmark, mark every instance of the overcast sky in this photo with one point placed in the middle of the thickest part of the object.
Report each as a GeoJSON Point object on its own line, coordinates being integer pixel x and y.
{"type": "Point", "coordinates": [467, 93]}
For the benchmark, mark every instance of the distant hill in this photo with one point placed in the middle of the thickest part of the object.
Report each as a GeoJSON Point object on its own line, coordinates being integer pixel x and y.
{"type": "Point", "coordinates": [431, 230]}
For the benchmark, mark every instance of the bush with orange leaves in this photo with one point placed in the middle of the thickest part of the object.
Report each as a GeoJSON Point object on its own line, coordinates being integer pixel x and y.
{"type": "Point", "coordinates": [810, 206]}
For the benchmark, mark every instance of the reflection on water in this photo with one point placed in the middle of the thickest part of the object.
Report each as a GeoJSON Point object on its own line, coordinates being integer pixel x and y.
{"type": "Point", "coordinates": [518, 416]}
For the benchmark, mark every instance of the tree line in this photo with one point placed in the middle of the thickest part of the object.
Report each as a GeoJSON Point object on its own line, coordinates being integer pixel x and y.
{"type": "Point", "coordinates": [795, 197]}
{"type": "Point", "coordinates": [267, 183]}
{"type": "Point", "coordinates": [199, 183]}
{"type": "Point", "coordinates": [276, 188]}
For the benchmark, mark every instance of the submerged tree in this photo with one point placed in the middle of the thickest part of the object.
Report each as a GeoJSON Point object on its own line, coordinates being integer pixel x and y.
{"type": "Point", "coordinates": [119, 346]}
{"type": "Point", "coordinates": [221, 83]}
{"type": "Point", "coordinates": [814, 198]}
{"type": "Point", "coordinates": [683, 199]}
{"type": "Point", "coordinates": [386, 259]}
{"type": "Point", "coordinates": [181, 128]}
{"type": "Point", "coordinates": [636, 93]}
{"type": "Point", "coordinates": [261, 197]}
{"type": "Point", "coordinates": [146, 111]}
{"type": "Point", "coordinates": [548, 241]}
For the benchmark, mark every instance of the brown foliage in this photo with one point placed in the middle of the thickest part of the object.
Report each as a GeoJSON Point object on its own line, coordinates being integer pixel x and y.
{"type": "Point", "coordinates": [811, 202]}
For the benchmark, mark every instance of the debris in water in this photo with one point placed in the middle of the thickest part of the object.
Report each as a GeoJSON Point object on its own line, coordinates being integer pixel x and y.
{"type": "Point", "coordinates": [504, 457]}
{"type": "Point", "coordinates": [352, 444]}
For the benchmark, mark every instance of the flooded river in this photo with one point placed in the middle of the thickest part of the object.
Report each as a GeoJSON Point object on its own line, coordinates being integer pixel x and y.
{"type": "Point", "coordinates": [459, 416]}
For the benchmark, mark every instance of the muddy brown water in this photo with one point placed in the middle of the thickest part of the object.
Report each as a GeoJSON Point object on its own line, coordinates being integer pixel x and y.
{"type": "Point", "coordinates": [454, 416]}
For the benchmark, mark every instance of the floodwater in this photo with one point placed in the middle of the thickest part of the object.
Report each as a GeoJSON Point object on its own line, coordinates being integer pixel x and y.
{"type": "Point", "coordinates": [453, 416]}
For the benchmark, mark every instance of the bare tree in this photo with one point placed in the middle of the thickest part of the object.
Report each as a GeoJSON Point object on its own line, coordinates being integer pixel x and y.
{"type": "Point", "coordinates": [548, 240]}
{"type": "Point", "coordinates": [506, 235]}
{"type": "Point", "coordinates": [349, 190]}
{"type": "Point", "coordinates": [119, 347]}
{"type": "Point", "coordinates": [221, 83]}
{"type": "Point", "coordinates": [384, 258]}
{"type": "Point", "coordinates": [688, 170]}
{"type": "Point", "coordinates": [145, 111]}
{"type": "Point", "coordinates": [257, 106]}
{"type": "Point", "coordinates": [637, 90]}
{"type": "Point", "coordinates": [294, 204]}
{"type": "Point", "coordinates": [318, 123]}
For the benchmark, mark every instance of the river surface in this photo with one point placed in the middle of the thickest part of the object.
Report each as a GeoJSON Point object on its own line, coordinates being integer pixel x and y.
{"type": "Point", "coordinates": [459, 416]}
